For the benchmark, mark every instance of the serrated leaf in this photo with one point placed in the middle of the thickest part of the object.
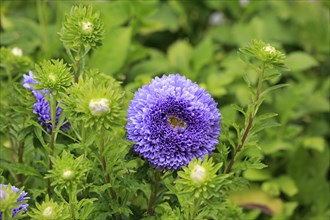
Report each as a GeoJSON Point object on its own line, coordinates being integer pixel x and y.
{"type": "Point", "coordinates": [23, 169]}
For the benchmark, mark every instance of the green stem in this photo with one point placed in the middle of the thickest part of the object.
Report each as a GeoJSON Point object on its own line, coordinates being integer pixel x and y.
{"type": "Point", "coordinates": [154, 192]}
{"type": "Point", "coordinates": [6, 215]}
{"type": "Point", "coordinates": [83, 139]}
{"type": "Point", "coordinates": [197, 204]}
{"type": "Point", "coordinates": [112, 194]}
{"type": "Point", "coordinates": [72, 192]}
{"type": "Point", "coordinates": [20, 159]}
{"type": "Point", "coordinates": [79, 62]}
{"type": "Point", "coordinates": [41, 8]}
{"type": "Point", "coordinates": [53, 137]}
{"type": "Point", "coordinates": [255, 107]}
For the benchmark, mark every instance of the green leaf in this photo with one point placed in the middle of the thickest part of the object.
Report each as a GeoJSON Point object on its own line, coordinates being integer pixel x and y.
{"type": "Point", "coordinates": [238, 108]}
{"type": "Point", "coordinates": [257, 199]}
{"type": "Point", "coordinates": [264, 125]}
{"type": "Point", "coordinates": [111, 57]}
{"type": "Point", "coordinates": [287, 185]}
{"type": "Point", "coordinates": [272, 88]}
{"type": "Point", "coordinates": [179, 55]}
{"type": "Point", "coordinates": [315, 143]}
{"type": "Point", "coordinates": [118, 12]}
{"type": "Point", "coordinates": [202, 54]}
{"type": "Point", "coordinates": [163, 19]}
{"type": "Point", "coordinates": [300, 61]}
{"type": "Point", "coordinates": [266, 116]}
{"type": "Point", "coordinates": [257, 175]}
{"type": "Point", "coordinates": [22, 169]}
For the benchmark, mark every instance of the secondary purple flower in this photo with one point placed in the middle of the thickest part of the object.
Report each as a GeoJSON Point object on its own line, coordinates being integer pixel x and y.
{"type": "Point", "coordinates": [41, 107]}
{"type": "Point", "coordinates": [20, 199]}
{"type": "Point", "coordinates": [171, 121]}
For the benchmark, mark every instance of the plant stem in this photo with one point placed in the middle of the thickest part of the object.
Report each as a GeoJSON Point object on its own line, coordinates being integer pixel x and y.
{"type": "Point", "coordinates": [252, 115]}
{"type": "Point", "coordinates": [20, 159]}
{"type": "Point", "coordinates": [153, 195]}
{"type": "Point", "coordinates": [52, 104]}
{"type": "Point", "coordinates": [110, 191]}
{"type": "Point", "coordinates": [41, 7]}
{"type": "Point", "coordinates": [72, 192]}
{"type": "Point", "coordinates": [196, 208]}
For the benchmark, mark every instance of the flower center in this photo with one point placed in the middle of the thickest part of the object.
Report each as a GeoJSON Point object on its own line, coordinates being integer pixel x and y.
{"type": "Point", "coordinates": [176, 123]}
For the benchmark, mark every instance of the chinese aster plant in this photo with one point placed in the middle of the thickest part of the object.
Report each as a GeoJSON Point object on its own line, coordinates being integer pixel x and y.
{"type": "Point", "coordinates": [41, 107]}
{"type": "Point", "coordinates": [10, 197]}
{"type": "Point", "coordinates": [171, 121]}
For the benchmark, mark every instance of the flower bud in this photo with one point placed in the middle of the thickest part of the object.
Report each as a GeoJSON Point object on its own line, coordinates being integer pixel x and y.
{"type": "Point", "coordinates": [17, 51]}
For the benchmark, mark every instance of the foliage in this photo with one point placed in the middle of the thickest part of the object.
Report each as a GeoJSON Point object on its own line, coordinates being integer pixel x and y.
{"type": "Point", "coordinates": [272, 160]}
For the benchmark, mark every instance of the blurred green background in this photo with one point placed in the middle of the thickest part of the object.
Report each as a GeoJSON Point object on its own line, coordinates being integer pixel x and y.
{"type": "Point", "coordinates": [200, 39]}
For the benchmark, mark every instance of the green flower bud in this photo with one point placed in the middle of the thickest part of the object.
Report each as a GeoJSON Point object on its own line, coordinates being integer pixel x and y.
{"type": "Point", "coordinates": [17, 51]}
{"type": "Point", "coordinates": [82, 29]}
{"type": "Point", "coordinates": [13, 61]}
{"type": "Point", "coordinates": [265, 53]}
{"type": "Point", "coordinates": [53, 75]}
{"type": "Point", "coordinates": [68, 170]}
{"type": "Point", "coordinates": [49, 210]}
{"type": "Point", "coordinates": [199, 177]}
{"type": "Point", "coordinates": [96, 101]}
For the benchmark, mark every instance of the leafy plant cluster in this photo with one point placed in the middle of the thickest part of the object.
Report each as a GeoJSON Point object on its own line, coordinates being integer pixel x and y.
{"type": "Point", "coordinates": [272, 161]}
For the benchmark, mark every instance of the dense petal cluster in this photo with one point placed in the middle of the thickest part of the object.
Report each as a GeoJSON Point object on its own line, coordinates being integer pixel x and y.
{"type": "Point", "coordinates": [21, 199]}
{"type": "Point", "coordinates": [41, 107]}
{"type": "Point", "coordinates": [171, 121]}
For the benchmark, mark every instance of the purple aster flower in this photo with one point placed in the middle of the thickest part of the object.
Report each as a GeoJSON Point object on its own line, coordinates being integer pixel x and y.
{"type": "Point", "coordinates": [41, 107]}
{"type": "Point", "coordinates": [171, 121]}
{"type": "Point", "coordinates": [20, 199]}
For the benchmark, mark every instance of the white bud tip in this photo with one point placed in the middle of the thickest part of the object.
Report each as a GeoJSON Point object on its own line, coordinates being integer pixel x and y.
{"type": "Point", "coordinates": [99, 106]}
{"type": "Point", "coordinates": [17, 51]}
{"type": "Point", "coordinates": [198, 174]}
{"type": "Point", "coordinates": [68, 174]}
{"type": "Point", "coordinates": [48, 211]}
{"type": "Point", "coordinates": [87, 27]}
{"type": "Point", "coordinates": [269, 49]}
